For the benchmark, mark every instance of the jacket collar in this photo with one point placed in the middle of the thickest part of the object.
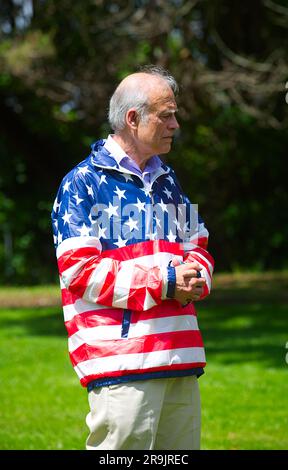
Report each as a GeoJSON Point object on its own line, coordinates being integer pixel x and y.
{"type": "Point", "coordinates": [101, 157]}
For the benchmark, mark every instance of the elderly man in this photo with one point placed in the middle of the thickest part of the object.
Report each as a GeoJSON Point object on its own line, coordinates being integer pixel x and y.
{"type": "Point", "coordinates": [132, 259]}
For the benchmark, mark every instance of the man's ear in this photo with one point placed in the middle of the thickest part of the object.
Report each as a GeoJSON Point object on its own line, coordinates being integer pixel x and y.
{"type": "Point", "coordinates": [132, 118]}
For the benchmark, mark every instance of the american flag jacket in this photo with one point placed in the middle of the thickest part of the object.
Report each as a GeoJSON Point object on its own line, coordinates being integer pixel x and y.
{"type": "Point", "coordinates": [115, 236]}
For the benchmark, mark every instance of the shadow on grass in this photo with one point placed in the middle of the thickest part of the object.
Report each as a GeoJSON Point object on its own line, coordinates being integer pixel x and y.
{"type": "Point", "coordinates": [245, 333]}
{"type": "Point", "coordinates": [38, 321]}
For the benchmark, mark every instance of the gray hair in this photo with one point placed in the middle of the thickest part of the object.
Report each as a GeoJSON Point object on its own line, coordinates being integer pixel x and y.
{"type": "Point", "coordinates": [125, 98]}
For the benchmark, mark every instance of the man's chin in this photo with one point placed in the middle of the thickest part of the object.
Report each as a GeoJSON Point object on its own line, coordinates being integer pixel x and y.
{"type": "Point", "coordinates": [165, 148]}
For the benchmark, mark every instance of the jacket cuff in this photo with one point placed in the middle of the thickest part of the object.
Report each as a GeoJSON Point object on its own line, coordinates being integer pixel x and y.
{"type": "Point", "coordinates": [171, 284]}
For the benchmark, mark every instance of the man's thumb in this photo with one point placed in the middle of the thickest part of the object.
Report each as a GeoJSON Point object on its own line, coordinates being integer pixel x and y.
{"type": "Point", "coordinates": [175, 261]}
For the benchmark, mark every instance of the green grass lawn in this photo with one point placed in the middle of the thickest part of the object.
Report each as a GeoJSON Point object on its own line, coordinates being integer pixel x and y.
{"type": "Point", "coordinates": [244, 389]}
{"type": "Point", "coordinates": [42, 404]}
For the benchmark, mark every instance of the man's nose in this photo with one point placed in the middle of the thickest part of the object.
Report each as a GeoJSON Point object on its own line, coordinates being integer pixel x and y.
{"type": "Point", "coordinates": [173, 123]}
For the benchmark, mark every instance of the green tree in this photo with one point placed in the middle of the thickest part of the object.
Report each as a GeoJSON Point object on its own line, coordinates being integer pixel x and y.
{"type": "Point", "coordinates": [59, 63]}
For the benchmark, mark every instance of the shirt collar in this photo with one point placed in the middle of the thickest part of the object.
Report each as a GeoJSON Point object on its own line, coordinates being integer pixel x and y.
{"type": "Point", "coordinates": [115, 149]}
{"type": "Point", "coordinates": [153, 164]}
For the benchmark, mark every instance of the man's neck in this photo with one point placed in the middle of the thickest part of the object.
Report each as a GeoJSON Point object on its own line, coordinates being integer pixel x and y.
{"type": "Point", "coordinates": [127, 144]}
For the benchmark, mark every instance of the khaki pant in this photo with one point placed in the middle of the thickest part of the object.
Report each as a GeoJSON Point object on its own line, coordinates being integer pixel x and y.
{"type": "Point", "coordinates": [160, 414]}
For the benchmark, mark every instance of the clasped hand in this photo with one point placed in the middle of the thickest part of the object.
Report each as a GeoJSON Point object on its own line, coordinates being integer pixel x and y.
{"type": "Point", "coordinates": [189, 287]}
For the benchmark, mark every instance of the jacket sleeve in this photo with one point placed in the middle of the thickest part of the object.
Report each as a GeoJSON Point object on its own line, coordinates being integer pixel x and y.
{"type": "Point", "coordinates": [195, 247]}
{"type": "Point", "coordinates": [88, 272]}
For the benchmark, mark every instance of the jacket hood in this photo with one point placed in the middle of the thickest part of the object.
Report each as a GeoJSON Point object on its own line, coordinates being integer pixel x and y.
{"type": "Point", "coordinates": [101, 156]}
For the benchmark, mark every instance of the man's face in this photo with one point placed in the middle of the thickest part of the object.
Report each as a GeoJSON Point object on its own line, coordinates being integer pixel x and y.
{"type": "Point", "coordinates": [155, 131]}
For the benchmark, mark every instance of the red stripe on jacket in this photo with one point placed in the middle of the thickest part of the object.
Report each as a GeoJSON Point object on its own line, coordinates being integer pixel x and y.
{"type": "Point", "coordinates": [144, 344]}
